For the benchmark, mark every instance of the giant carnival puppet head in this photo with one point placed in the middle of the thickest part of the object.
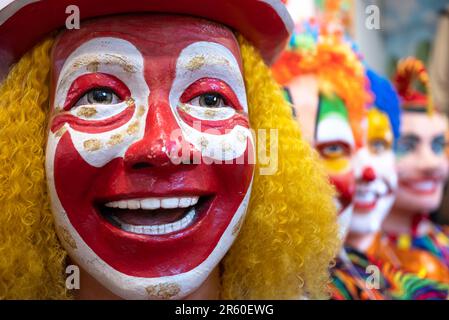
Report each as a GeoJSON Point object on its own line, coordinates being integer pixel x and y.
{"type": "Point", "coordinates": [325, 83]}
{"type": "Point", "coordinates": [146, 121]}
{"type": "Point", "coordinates": [421, 161]}
{"type": "Point", "coordinates": [376, 177]}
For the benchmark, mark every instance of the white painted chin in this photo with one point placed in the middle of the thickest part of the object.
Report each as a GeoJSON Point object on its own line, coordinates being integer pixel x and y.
{"type": "Point", "coordinates": [344, 221]}
{"type": "Point", "coordinates": [371, 222]}
{"type": "Point", "coordinates": [138, 288]}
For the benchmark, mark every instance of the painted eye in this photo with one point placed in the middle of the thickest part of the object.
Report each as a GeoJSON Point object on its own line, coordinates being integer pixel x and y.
{"type": "Point", "coordinates": [378, 146]}
{"type": "Point", "coordinates": [438, 145]}
{"type": "Point", "coordinates": [98, 96]}
{"type": "Point", "coordinates": [405, 147]}
{"type": "Point", "coordinates": [209, 100]}
{"type": "Point", "coordinates": [333, 151]}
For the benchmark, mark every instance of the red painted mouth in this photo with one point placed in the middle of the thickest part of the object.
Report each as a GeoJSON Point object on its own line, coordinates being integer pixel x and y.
{"type": "Point", "coordinates": [421, 187]}
{"type": "Point", "coordinates": [155, 216]}
{"type": "Point", "coordinates": [366, 199]}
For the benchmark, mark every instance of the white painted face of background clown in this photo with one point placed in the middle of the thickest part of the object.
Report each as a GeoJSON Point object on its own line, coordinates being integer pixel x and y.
{"type": "Point", "coordinates": [421, 162]}
{"type": "Point", "coordinates": [325, 124]}
{"type": "Point", "coordinates": [376, 175]}
{"type": "Point", "coordinates": [127, 96]}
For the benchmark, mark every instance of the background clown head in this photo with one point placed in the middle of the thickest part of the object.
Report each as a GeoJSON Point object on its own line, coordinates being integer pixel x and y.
{"type": "Point", "coordinates": [375, 163]}
{"type": "Point", "coordinates": [421, 160]}
{"type": "Point", "coordinates": [325, 83]}
{"type": "Point", "coordinates": [104, 101]}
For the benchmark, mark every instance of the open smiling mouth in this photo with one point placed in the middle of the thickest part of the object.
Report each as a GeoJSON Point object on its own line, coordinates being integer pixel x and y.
{"type": "Point", "coordinates": [155, 216]}
{"type": "Point", "coordinates": [421, 187]}
{"type": "Point", "coordinates": [366, 199]}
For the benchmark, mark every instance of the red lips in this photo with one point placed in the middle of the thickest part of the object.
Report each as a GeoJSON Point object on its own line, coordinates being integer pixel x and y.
{"type": "Point", "coordinates": [422, 186]}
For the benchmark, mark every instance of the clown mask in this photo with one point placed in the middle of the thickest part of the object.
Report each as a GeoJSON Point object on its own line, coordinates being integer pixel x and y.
{"type": "Point", "coordinates": [146, 138]}
{"type": "Point", "coordinates": [421, 162]}
{"type": "Point", "coordinates": [375, 175]}
{"type": "Point", "coordinates": [325, 124]}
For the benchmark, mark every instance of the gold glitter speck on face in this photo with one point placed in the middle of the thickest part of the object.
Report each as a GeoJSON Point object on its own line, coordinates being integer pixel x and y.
{"type": "Point", "coordinates": [129, 101]}
{"type": "Point", "coordinates": [61, 131]}
{"type": "Point", "coordinates": [86, 112]}
{"type": "Point", "coordinates": [93, 66]}
{"type": "Point", "coordinates": [92, 145]}
{"type": "Point", "coordinates": [141, 111]}
{"type": "Point", "coordinates": [115, 140]}
{"type": "Point", "coordinates": [133, 128]}
{"type": "Point", "coordinates": [196, 63]}
{"type": "Point", "coordinates": [184, 107]}
{"type": "Point", "coordinates": [210, 113]}
{"type": "Point", "coordinates": [163, 290]}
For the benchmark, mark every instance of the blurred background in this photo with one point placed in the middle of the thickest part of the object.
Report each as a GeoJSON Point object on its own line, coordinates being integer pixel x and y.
{"type": "Point", "coordinates": [417, 28]}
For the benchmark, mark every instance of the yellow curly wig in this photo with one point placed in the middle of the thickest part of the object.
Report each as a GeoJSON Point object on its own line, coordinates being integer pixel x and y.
{"type": "Point", "coordinates": [286, 244]}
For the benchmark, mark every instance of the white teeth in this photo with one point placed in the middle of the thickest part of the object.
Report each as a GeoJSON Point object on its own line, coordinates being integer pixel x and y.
{"type": "Point", "coordinates": [160, 229]}
{"type": "Point", "coordinates": [194, 201]}
{"type": "Point", "coordinates": [184, 202]}
{"type": "Point", "coordinates": [150, 204]}
{"type": "Point", "coordinates": [170, 203]}
{"type": "Point", "coordinates": [134, 204]}
{"type": "Point", "coordinates": [424, 186]}
{"type": "Point", "coordinates": [154, 203]}
{"type": "Point", "coordinates": [365, 197]}
{"type": "Point", "coordinates": [123, 204]}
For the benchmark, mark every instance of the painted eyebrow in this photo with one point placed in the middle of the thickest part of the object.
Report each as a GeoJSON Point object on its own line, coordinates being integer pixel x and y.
{"type": "Point", "coordinates": [440, 137]}
{"type": "Point", "coordinates": [92, 61]}
{"type": "Point", "coordinates": [207, 58]}
{"type": "Point", "coordinates": [411, 138]}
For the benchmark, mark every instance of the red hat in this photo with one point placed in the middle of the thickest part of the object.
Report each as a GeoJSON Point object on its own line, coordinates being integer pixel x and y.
{"type": "Point", "coordinates": [408, 71]}
{"type": "Point", "coordinates": [265, 23]}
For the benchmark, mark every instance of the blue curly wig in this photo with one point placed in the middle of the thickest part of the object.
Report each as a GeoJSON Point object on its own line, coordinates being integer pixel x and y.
{"type": "Point", "coordinates": [386, 99]}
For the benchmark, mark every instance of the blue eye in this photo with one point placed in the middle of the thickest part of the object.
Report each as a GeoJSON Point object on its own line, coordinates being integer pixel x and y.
{"type": "Point", "coordinates": [378, 146]}
{"type": "Point", "coordinates": [438, 145]}
{"type": "Point", "coordinates": [406, 145]}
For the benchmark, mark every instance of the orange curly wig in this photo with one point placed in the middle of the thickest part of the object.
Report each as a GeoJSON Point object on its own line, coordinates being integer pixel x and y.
{"type": "Point", "coordinates": [337, 67]}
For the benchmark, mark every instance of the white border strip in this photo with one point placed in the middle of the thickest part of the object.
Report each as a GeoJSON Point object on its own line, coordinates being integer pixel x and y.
{"type": "Point", "coordinates": [9, 7]}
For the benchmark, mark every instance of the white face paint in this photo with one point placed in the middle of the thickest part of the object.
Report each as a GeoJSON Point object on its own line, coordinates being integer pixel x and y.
{"type": "Point", "coordinates": [98, 148]}
{"type": "Point", "coordinates": [344, 221]}
{"type": "Point", "coordinates": [210, 60]}
{"type": "Point", "coordinates": [115, 57]}
{"type": "Point", "coordinates": [376, 196]}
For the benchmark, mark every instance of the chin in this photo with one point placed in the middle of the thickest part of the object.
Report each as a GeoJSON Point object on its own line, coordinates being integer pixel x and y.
{"type": "Point", "coordinates": [419, 203]}
{"type": "Point", "coordinates": [367, 222]}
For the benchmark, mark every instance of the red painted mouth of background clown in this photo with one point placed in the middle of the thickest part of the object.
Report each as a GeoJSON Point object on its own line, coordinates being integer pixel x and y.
{"type": "Point", "coordinates": [368, 196]}
{"type": "Point", "coordinates": [155, 216]}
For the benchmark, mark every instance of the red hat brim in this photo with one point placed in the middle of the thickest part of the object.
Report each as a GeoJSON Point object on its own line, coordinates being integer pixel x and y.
{"type": "Point", "coordinates": [265, 23]}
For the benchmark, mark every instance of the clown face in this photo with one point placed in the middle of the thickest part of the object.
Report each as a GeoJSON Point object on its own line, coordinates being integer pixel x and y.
{"type": "Point", "coordinates": [146, 151]}
{"type": "Point", "coordinates": [421, 161]}
{"type": "Point", "coordinates": [325, 124]}
{"type": "Point", "coordinates": [375, 174]}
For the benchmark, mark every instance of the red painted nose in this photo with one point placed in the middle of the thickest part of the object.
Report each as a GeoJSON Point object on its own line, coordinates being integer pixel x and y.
{"type": "Point", "coordinates": [368, 175]}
